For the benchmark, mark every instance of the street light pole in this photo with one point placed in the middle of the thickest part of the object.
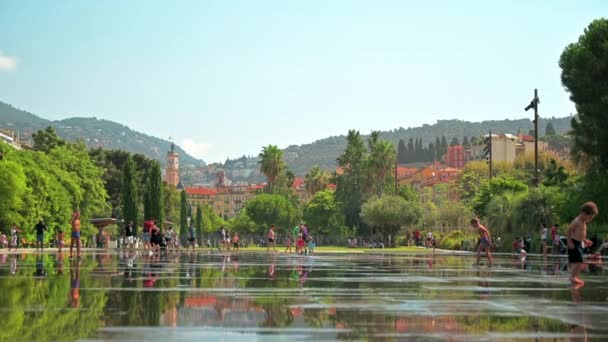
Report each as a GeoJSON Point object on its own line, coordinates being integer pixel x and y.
{"type": "Point", "coordinates": [534, 104]}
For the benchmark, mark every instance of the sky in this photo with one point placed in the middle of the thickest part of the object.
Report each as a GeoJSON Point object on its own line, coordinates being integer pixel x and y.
{"type": "Point", "coordinates": [224, 78]}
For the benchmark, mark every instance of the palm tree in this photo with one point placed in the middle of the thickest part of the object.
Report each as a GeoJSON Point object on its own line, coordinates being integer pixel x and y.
{"type": "Point", "coordinates": [271, 164]}
{"type": "Point", "coordinates": [316, 180]}
{"type": "Point", "coordinates": [382, 161]}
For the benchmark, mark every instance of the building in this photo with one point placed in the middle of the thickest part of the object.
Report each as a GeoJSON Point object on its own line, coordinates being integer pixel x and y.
{"type": "Point", "coordinates": [456, 157]}
{"type": "Point", "coordinates": [507, 147]}
{"type": "Point", "coordinates": [172, 167]}
{"type": "Point", "coordinates": [12, 138]}
{"type": "Point", "coordinates": [227, 200]}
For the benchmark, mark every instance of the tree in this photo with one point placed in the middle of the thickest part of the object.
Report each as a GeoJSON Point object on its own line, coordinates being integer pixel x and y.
{"type": "Point", "coordinates": [584, 75]}
{"type": "Point", "coordinates": [555, 175]}
{"type": "Point", "coordinates": [316, 180]}
{"type": "Point", "coordinates": [388, 213]}
{"type": "Point", "coordinates": [411, 157]}
{"type": "Point", "coordinates": [382, 163]}
{"type": "Point", "coordinates": [540, 205]}
{"type": "Point", "coordinates": [409, 194]}
{"type": "Point", "coordinates": [444, 146]}
{"type": "Point", "coordinates": [401, 152]}
{"type": "Point", "coordinates": [46, 140]}
{"type": "Point", "coordinates": [183, 211]}
{"type": "Point", "coordinates": [494, 187]}
{"type": "Point", "coordinates": [154, 195]}
{"type": "Point", "coordinates": [465, 142]}
{"type": "Point", "coordinates": [267, 209]}
{"type": "Point", "coordinates": [130, 205]}
{"type": "Point", "coordinates": [349, 181]}
{"type": "Point", "coordinates": [500, 211]}
{"type": "Point", "coordinates": [550, 130]}
{"type": "Point", "coordinates": [12, 187]}
{"type": "Point", "coordinates": [455, 142]}
{"type": "Point", "coordinates": [198, 223]}
{"type": "Point", "coordinates": [271, 164]}
{"type": "Point", "coordinates": [323, 214]}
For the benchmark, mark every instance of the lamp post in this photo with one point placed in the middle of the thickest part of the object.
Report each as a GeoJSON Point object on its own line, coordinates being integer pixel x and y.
{"type": "Point", "coordinates": [534, 105]}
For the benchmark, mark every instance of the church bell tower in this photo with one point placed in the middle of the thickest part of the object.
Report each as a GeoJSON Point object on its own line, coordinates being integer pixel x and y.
{"type": "Point", "coordinates": [172, 167]}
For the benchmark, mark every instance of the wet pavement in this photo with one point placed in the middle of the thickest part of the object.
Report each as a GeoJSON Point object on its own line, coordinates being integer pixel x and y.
{"type": "Point", "coordinates": [260, 297]}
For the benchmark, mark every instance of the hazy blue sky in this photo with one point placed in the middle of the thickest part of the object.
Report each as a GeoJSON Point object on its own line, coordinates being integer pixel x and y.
{"type": "Point", "coordinates": [226, 77]}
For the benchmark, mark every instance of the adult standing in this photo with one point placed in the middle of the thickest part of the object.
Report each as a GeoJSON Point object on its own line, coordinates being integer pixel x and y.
{"type": "Point", "coordinates": [191, 237]}
{"type": "Point", "coordinates": [40, 229]}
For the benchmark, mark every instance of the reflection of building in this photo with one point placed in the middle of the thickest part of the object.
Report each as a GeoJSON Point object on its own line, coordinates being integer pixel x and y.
{"type": "Point", "coordinates": [172, 167]}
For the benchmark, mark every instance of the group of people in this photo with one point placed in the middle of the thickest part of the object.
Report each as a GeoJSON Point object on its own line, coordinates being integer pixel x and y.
{"type": "Point", "coordinates": [299, 236]}
{"type": "Point", "coordinates": [576, 236]}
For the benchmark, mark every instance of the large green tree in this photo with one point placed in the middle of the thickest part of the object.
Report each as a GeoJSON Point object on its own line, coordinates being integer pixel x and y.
{"type": "Point", "coordinates": [267, 209]}
{"type": "Point", "coordinates": [584, 67]}
{"type": "Point", "coordinates": [388, 213]}
{"type": "Point", "coordinates": [495, 187]}
{"type": "Point", "coordinates": [349, 180]}
{"type": "Point", "coordinates": [130, 196]}
{"type": "Point", "coordinates": [323, 214]}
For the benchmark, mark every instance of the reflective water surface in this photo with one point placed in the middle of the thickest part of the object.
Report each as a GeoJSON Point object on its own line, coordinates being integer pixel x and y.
{"type": "Point", "coordinates": [262, 297]}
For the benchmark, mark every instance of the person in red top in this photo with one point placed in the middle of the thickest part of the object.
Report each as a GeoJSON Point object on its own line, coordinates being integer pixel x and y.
{"type": "Point", "coordinates": [300, 245]}
{"type": "Point", "coordinates": [271, 239]}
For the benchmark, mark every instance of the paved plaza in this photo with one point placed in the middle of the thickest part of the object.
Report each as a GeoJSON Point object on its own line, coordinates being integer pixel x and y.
{"type": "Point", "coordinates": [277, 297]}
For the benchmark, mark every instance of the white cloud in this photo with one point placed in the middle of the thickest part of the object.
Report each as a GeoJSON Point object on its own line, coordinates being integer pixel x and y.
{"type": "Point", "coordinates": [194, 148]}
{"type": "Point", "coordinates": [7, 62]}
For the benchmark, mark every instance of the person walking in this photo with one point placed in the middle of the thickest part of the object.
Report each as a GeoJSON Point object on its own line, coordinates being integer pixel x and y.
{"type": "Point", "coordinates": [271, 239]}
{"type": "Point", "coordinates": [484, 240]}
{"type": "Point", "coordinates": [14, 237]}
{"type": "Point", "coordinates": [577, 235]}
{"type": "Point", "coordinates": [129, 235]}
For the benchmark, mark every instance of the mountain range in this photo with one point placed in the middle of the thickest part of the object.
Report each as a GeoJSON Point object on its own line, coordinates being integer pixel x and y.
{"type": "Point", "coordinates": [300, 158]}
{"type": "Point", "coordinates": [94, 132]}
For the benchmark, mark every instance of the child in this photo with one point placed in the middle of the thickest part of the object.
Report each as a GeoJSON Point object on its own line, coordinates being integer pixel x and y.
{"type": "Point", "coordinates": [235, 242]}
{"type": "Point", "coordinates": [75, 241]}
{"type": "Point", "coordinates": [60, 240]}
{"type": "Point", "coordinates": [3, 240]}
{"type": "Point", "coordinates": [577, 235]}
{"type": "Point", "coordinates": [300, 244]}
{"type": "Point", "coordinates": [484, 240]}
{"type": "Point", "coordinates": [311, 245]}
{"type": "Point", "coordinates": [288, 244]}
{"type": "Point", "coordinates": [271, 239]}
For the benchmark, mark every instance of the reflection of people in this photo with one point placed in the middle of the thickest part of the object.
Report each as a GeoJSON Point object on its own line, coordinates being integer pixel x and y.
{"type": "Point", "coordinates": [579, 331]}
{"type": "Point", "coordinates": [39, 272]}
{"type": "Point", "coordinates": [74, 295]}
{"type": "Point", "coordinates": [75, 222]}
{"type": "Point", "coordinates": [484, 240]}
{"type": "Point", "coordinates": [59, 263]}
{"type": "Point", "coordinates": [577, 234]}
{"type": "Point", "coordinates": [14, 265]}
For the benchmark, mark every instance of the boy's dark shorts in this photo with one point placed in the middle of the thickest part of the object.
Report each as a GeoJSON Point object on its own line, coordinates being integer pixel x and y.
{"type": "Point", "coordinates": [575, 256]}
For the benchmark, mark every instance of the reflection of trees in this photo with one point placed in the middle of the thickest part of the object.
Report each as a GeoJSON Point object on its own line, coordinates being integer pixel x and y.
{"type": "Point", "coordinates": [143, 307]}
{"type": "Point", "coordinates": [55, 321]}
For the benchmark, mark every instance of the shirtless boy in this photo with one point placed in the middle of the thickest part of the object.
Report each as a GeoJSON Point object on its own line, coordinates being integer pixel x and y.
{"type": "Point", "coordinates": [484, 240]}
{"type": "Point", "coordinates": [75, 233]}
{"type": "Point", "coordinates": [577, 234]}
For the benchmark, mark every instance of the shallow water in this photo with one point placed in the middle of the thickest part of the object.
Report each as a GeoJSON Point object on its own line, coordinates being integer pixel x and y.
{"type": "Point", "coordinates": [261, 297]}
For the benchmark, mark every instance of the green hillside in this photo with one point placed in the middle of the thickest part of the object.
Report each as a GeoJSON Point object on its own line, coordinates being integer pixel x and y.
{"type": "Point", "coordinates": [94, 132]}
{"type": "Point", "coordinates": [325, 151]}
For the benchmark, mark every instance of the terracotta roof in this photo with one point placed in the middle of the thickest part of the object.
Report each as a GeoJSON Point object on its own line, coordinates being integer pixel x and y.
{"type": "Point", "coordinates": [297, 182]}
{"type": "Point", "coordinates": [528, 138]}
{"type": "Point", "coordinates": [201, 191]}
